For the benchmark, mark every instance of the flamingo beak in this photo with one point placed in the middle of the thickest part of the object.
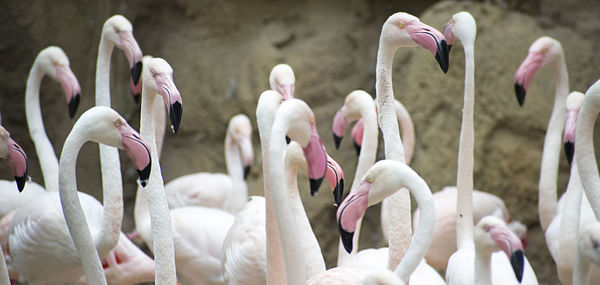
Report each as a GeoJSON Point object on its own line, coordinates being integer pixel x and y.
{"type": "Point", "coordinates": [523, 76]}
{"type": "Point", "coordinates": [508, 242]}
{"type": "Point", "coordinates": [134, 55]}
{"type": "Point", "coordinates": [171, 96]}
{"type": "Point", "coordinates": [449, 35]}
{"type": "Point", "coordinates": [432, 40]}
{"type": "Point", "coordinates": [316, 160]}
{"type": "Point", "coordinates": [70, 86]}
{"type": "Point", "coordinates": [136, 90]}
{"type": "Point", "coordinates": [17, 161]}
{"type": "Point", "coordinates": [247, 154]}
{"type": "Point", "coordinates": [340, 124]}
{"type": "Point", "coordinates": [286, 90]}
{"type": "Point", "coordinates": [335, 177]}
{"type": "Point", "coordinates": [350, 211]}
{"type": "Point", "coordinates": [246, 172]}
{"type": "Point", "coordinates": [137, 150]}
{"type": "Point", "coordinates": [569, 134]}
{"type": "Point", "coordinates": [357, 135]}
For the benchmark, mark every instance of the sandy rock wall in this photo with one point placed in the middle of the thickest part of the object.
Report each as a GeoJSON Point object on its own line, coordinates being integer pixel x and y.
{"type": "Point", "coordinates": [222, 52]}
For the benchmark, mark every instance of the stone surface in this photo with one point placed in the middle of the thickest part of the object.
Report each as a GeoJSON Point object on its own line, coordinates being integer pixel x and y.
{"type": "Point", "coordinates": [222, 52]}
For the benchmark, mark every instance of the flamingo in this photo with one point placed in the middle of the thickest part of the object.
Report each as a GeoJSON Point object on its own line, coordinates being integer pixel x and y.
{"type": "Point", "coordinates": [16, 159]}
{"type": "Point", "coordinates": [41, 249]}
{"type": "Point", "coordinates": [473, 249]}
{"type": "Point", "coordinates": [283, 80]}
{"type": "Point", "coordinates": [222, 191]}
{"type": "Point", "coordinates": [383, 179]}
{"type": "Point", "coordinates": [400, 30]}
{"type": "Point", "coordinates": [585, 161]}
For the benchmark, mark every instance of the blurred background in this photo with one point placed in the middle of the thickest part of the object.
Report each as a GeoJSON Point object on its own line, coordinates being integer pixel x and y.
{"type": "Point", "coordinates": [222, 53]}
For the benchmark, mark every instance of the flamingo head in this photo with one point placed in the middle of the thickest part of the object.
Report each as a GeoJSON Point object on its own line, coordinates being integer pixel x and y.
{"type": "Point", "coordinates": [491, 234]}
{"type": "Point", "coordinates": [462, 26]}
{"type": "Point", "coordinates": [158, 77]}
{"type": "Point", "coordinates": [405, 30]}
{"type": "Point", "coordinates": [283, 80]}
{"type": "Point", "coordinates": [240, 134]}
{"type": "Point", "coordinates": [119, 31]}
{"type": "Point", "coordinates": [54, 62]}
{"type": "Point", "coordinates": [335, 176]}
{"type": "Point", "coordinates": [543, 51]}
{"type": "Point", "coordinates": [350, 112]}
{"type": "Point", "coordinates": [574, 102]}
{"type": "Point", "coordinates": [302, 129]}
{"type": "Point", "coordinates": [589, 242]}
{"type": "Point", "coordinates": [15, 158]}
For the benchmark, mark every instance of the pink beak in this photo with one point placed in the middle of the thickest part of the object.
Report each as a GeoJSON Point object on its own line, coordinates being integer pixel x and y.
{"type": "Point", "coordinates": [171, 97]}
{"type": "Point", "coordinates": [350, 211]}
{"type": "Point", "coordinates": [17, 161]}
{"type": "Point", "coordinates": [70, 86]}
{"type": "Point", "coordinates": [357, 134]}
{"type": "Point", "coordinates": [449, 35]}
{"type": "Point", "coordinates": [286, 90]}
{"type": "Point", "coordinates": [137, 150]}
{"type": "Point", "coordinates": [247, 154]}
{"type": "Point", "coordinates": [316, 159]}
{"type": "Point", "coordinates": [569, 134]}
{"type": "Point", "coordinates": [134, 56]}
{"type": "Point", "coordinates": [508, 242]}
{"type": "Point", "coordinates": [335, 177]}
{"type": "Point", "coordinates": [525, 73]}
{"type": "Point", "coordinates": [431, 39]}
{"type": "Point", "coordinates": [340, 124]}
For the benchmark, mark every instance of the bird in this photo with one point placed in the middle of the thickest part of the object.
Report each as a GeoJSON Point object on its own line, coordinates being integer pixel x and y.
{"type": "Point", "coordinates": [39, 242]}
{"type": "Point", "coordinates": [400, 30]}
{"type": "Point", "coordinates": [16, 159]}
{"type": "Point", "coordinates": [462, 26]}
{"type": "Point", "coordinates": [222, 191]}
{"type": "Point", "coordinates": [384, 178]}
{"type": "Point", "coordinates": [283, 80]}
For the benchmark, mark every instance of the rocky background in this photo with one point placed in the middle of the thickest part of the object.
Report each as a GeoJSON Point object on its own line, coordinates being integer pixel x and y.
{"type": "Point", "coordinates": [222, 53]}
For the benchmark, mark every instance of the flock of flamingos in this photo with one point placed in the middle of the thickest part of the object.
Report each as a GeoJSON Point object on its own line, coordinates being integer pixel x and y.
{"type": "Point", "coordinates": [203, 229]}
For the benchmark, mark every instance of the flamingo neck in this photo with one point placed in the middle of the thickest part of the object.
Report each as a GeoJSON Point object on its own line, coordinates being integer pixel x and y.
{"type": "Point", "coordinates": [73, 212]}
{"type": "Point", "coordinates": [581, 268]}
{"type": "Point", "coordinates": [238, 196]}
{"type": "Point", "coordinates": [160, 122]}
{"type": "Point", "coordinates": [151, 202]}
{"type": "Point", "coordinates": [109, 158]}
{"type": "Point", "coordinates": [569, 225]}
{"type": "Point", "coordinates": [313, 260]}
{"type": "Point", "coordinates": [400, 225]}
{"type": "Point", "coordinates": [584, 154]}
{"type": "Point", "coordinates": [483, 267]}
{"type": "Point", "coordinates": [552, 144]}
{"type": "Point", "coordinates": [464, 181]}
{"type": "Point", "coordinates": [275, 261]}
{"type": "Point", "coordinates": [35, 123]}
{"type": "Point", "coordinates": [366, 159]}
{"type": "Point", "coordinates": [407, 130]}
{"type": "Point", "coordinates": [293, 256]}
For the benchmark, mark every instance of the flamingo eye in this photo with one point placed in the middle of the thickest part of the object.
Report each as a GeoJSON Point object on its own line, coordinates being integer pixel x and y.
{"type": "Point", "coordinates": [118, 123]}
{"type": "Point", "coordinates": [370, 179]}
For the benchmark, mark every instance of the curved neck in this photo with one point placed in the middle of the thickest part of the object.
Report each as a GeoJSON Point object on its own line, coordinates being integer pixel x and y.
{"type": "Point", "coordinates": [151, 202]}
{"type": "Point", "coordinates": [293, 256]}
{"type": "Point", "coordinates": [238, 196]}
{"type": "Point", "coordinates": [35, 123]}
{"type": "Point", "coordinates": [74, 216]}
{"type": "Point", "coordinates": [110, 164]}
{"type": "Point", "coordinates": [400, 226]}
{"type": "Point", "coordinates": [407, 131]}
{"type": "Point", "coordinates": [483, 267]}
{"type": "Point", "coordinates": [584, 152]}
{"type": "Point", "coordinates": [569, 225]}
{"type": "Point", "coordinates": [464, 181]}
{"type": "Point", "coordinates": [275, 261]}
{"type": "Point", "coordinates": [314, 261]}
{"type": "Point", "coordinates": [552, 145]}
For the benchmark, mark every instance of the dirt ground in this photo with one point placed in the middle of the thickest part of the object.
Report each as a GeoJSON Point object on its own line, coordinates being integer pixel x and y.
{"type": "Point", "coordinates": [222, 52]}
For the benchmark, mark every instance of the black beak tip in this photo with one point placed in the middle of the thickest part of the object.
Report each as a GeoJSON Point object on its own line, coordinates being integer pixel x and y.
{"type": "Point", "coordinates": [21, 182]}
{"type": "Point", "coordinates": [442, 55]}
{"type": "Point", "coordinates": [337, 140]}
{"type": "Point", "coordinates": [449, 48]}
{"type": "Point", "coordinates": [517, 261]}
{"type": "Point", "coordinates": [144, 174]}
{"type": "Point", "coordinates": [287, 140]}
{"type": "Point", "coordinates": [136, 72]}
{"type": "Point", "coordinates": [338, 192]}
{"type": "Point", "coordinates": [569, 151]}
{"type": "Point", "coordinates": [73, 104]}
{"type": "Point", "coordinates": [357, 148]}
{"type": "Point", "coordinates": [175, 113]}
{"type": "Point", "coordinates": [346, 238]}
{"type": "Point", "coordinates": [520, 92]}
{"type": "Point", "coordinates": [314, 185]}
{"type": "Point", "coordinates": [246, 171]}
{"type": "Point", "coordinates": [136, 98]}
